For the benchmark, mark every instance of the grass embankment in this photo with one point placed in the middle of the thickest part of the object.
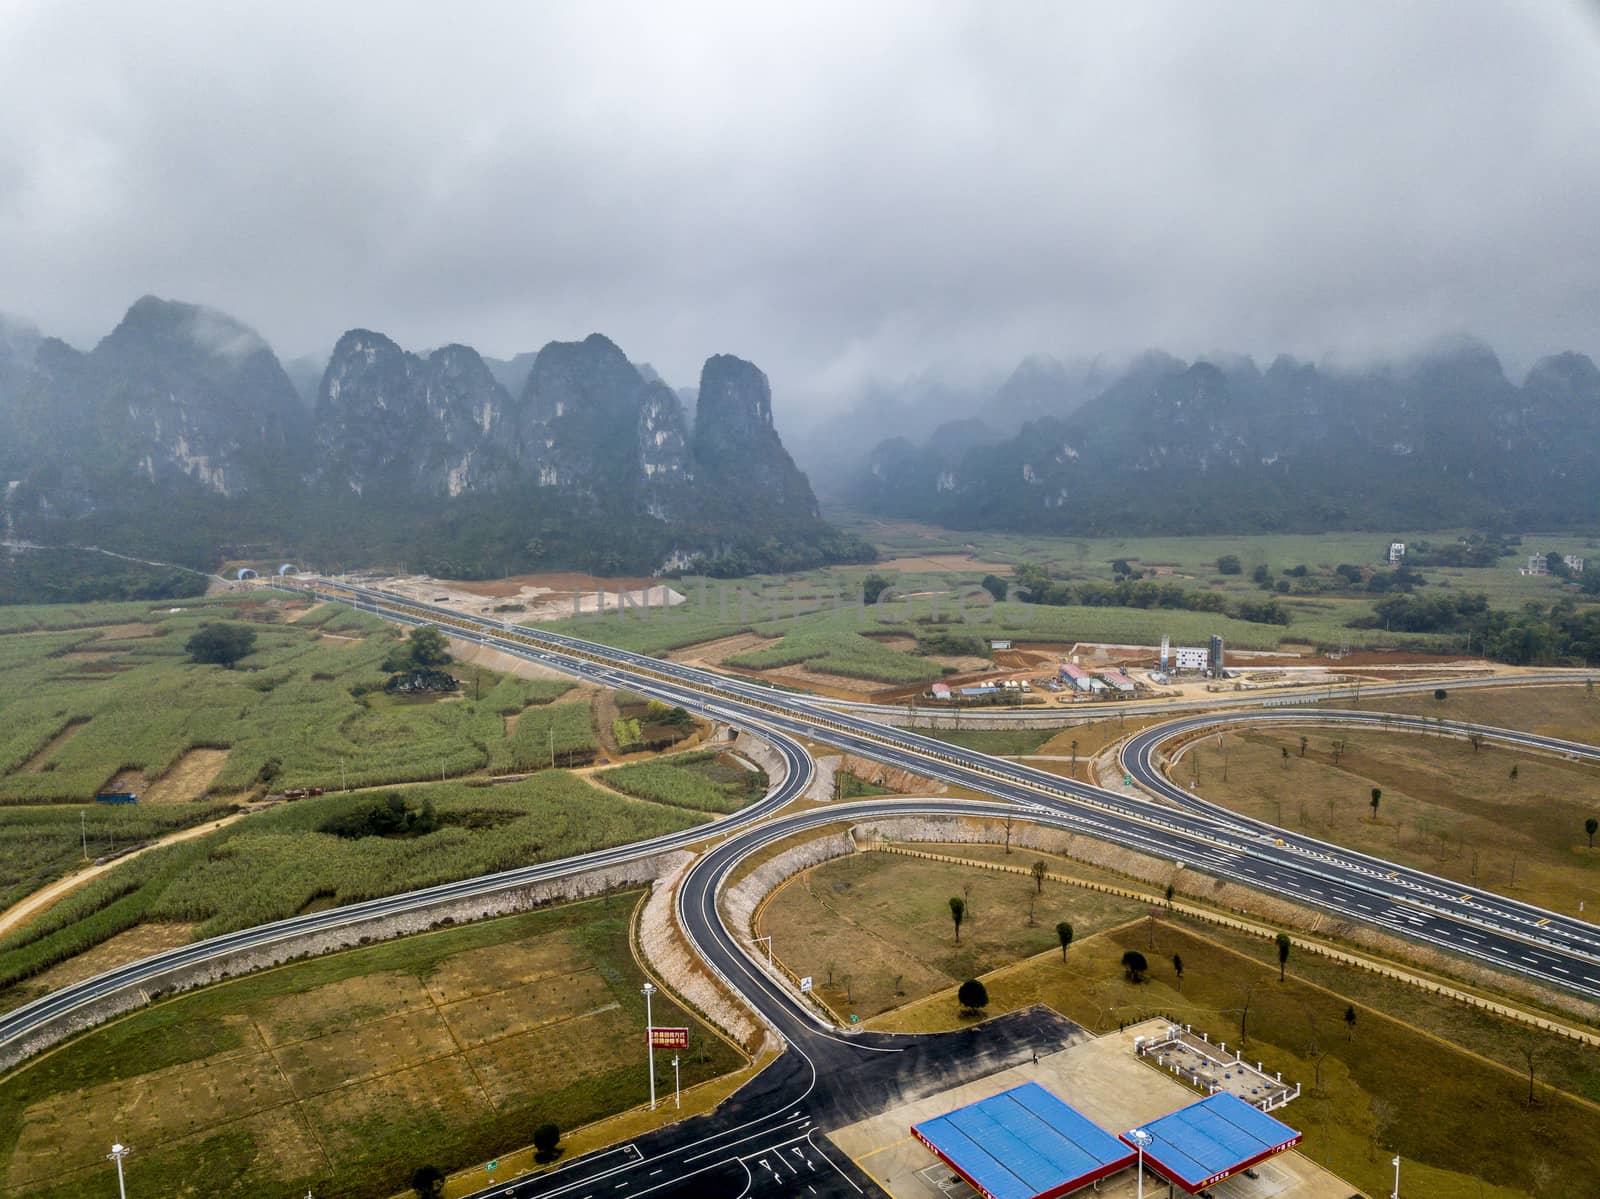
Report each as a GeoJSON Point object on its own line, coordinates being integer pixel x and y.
{"type": "Point", "coordinates": [1390, 1084]}
{"type": "Point", "coordinates": [346, 1073]}
{"type": "Point", "coordinates": [282, 861]}
{"type": "Point", "coordinates": [1444, 807]}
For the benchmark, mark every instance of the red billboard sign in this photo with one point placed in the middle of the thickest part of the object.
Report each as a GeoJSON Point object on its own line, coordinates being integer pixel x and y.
{"type": "Point", "coordinates": [669, 1038]}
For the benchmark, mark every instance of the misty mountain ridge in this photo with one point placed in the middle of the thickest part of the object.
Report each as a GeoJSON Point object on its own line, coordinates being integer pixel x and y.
{"type": "Point", "coordinates": [1220, 445]}
{"type": "Point", "coordinates": [591, 462]}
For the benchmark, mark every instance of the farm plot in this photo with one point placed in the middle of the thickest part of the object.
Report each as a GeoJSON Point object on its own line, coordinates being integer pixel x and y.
{"type": "Point", "coordinates": [345, 1073]}
{"type": "Point", "coordinates": [300, 711]}
{"type": "Point", "coordinates": [333, 850]}
{"type": "Point", "coordinates": [705, 782]}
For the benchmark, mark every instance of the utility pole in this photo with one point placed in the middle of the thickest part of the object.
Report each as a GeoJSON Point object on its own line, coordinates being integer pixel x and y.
{"type": "Point", "coordinates": [552, 747]}
{"type": "Point", "coordinates": [343, 786]}
{"type": "Point", "coordinates": [1396, 1194]}
{"type": "Point", "coordinates": [650, 1042]}
{"type": "Point", "coordinates": [677, 1092]}
{"type": "Point", "coordinates": [83, 831]}
{"type": "Point", "coordinates": [118, 1152]}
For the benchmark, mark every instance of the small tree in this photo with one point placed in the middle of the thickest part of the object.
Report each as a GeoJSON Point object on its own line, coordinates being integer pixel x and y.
{"type": "Point", "coordinates": [873, 587]}
{"type": "Point", "coordinates": [1476, 741]}
{"type": "Point", "coordinates": [1440, 694]}
{"type": "Point", "coordinates": [1283, 953]}
{"type": "Point", "coordinates": [1302, 745]}
{"type": "Point", "coordinates": [1513, 775]}
{"type": "Point", "coordinates": [428, 1182]}
{"type": "Point", "coordinates": [958, 909]}
{"type": "Point", "coordinates": [1177, 968]}
{"type": "Point", "coordinates": [545, 1139]}
{"type": "Point", "coordinates": [1285, 757]}
{"type": "Point", "coordinates": [429, 647]}
{"type": "Point", "coordinates": [973, 995]}
{"type": "Point", "coordinates": [1350, 1022]}
{"type": "Point", "coordinates": [220, 644]}
{"type": "Point", "coordinates": [1591, 826]}
{"type": "Point", "coordinates": [1169, 895]}
{"type": "Point", "coordinates": [1064, 935]}
{"type": "Point", "coordinates": [1134, 965]}
{"type": "Point", "coordinates": [1039, 870]}
{"type": "Point", "coordinates": [1229, 564]}
{"type": "Point", "coordinates": [1377, 794]}
{"type": "Point", "coordinates": [995, 586]}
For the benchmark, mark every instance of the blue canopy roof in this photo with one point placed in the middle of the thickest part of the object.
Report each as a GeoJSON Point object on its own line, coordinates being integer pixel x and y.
{"type": "Point", "coordinates": [1209, 1140]}
{"type": "Point", "coordinates": [1023, 1143]}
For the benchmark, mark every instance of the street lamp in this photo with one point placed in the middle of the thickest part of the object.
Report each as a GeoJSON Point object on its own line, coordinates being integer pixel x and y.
{"type": "Point", "coordinates": [1141, 1139]}
{"type": "Point", "coordinates": [650, 1041]}
{"type": "Point", "coordinates": [118, 1152]}
{"type": "Point", "coordinates": [1396, 1194]}
{"type": "Point", "coordinates": [677, 1092]}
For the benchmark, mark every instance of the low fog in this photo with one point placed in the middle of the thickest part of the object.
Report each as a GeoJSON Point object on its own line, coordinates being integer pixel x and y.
{"type": "Point", "coordinates": [842, 193]}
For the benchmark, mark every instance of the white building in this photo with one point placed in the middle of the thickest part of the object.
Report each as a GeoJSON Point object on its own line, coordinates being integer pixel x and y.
{"type": "Point", "coordinates": [1574, 563]}
{"type": "Point", "coordinates": [1397, 552]}
{"type": "Point", "coordinates": [1190, 657]}
{"type": "Point", "coordinates": [1537, 565]}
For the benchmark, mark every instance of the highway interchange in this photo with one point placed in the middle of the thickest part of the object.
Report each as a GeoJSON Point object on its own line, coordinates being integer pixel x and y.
{"type": "Point", "coordinates": [766, 1138]}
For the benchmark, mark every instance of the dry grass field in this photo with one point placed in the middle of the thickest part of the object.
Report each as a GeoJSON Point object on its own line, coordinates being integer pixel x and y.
{"type": "Point", "coordinates": [875, 930]}
{"type": "Point", "coordinates": [346, 1073]}
{"type": "Point", "coordinates": [1445, 807]}
{"type": "Point", "coordinates": [1571, 712]}
{"type": "Point", "coordinates": [1408, 1052]}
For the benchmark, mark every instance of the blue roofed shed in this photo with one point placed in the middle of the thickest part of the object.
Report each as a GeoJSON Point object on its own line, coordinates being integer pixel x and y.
{"type": "Point", "coordinates": [1024, 1143]}
{"type": "Point", "coordinates": [1200, 1145]}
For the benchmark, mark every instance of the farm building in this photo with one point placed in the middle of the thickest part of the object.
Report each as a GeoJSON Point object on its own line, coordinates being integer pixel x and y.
{"type": "Point", "coordinates": [980, 691]}
{"type": "Point", "coordinates": [940, 691]}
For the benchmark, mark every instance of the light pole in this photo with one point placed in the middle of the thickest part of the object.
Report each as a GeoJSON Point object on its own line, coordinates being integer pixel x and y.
{"type": "Point", "coordinates": [1396, 1194]}
{"type": "Point", "coordinates": [650, 1042]}
{"type": "Point", "coordinates": [118, 1152]}
{"type": "Point", "coordinates": [1141, 1138]}
{"type": "Point", "coordinates": [677, 1093]}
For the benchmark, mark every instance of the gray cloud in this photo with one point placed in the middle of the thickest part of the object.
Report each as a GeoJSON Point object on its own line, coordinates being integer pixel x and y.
{"type": "Point", "coordinates": [836, 190]}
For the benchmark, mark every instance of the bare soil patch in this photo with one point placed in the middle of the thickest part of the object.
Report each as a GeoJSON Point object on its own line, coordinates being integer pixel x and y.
{"type": "Point", "coordinates": [565, 582]}
{"type": "Point", "coordinates": [718, 651]}
{"type": "Point", "coordinates": [189, 779]}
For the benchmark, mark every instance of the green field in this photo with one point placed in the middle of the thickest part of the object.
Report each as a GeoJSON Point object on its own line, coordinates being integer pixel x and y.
{"type": "Point", "coordinates": [815, 618]}
{"type": "Point", "coordinates": [282, 861]}
{"type": "Point", "coordinates": [704, 782]}
{"type": "Point", "coordinates": [345, 1073]}
{"type": "Point", "coordinates": [305, 709]}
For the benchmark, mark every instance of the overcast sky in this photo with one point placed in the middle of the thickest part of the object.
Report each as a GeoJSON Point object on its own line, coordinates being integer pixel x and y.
{"type": "Point", "coordinates": [837, 191]}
